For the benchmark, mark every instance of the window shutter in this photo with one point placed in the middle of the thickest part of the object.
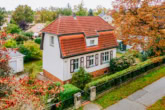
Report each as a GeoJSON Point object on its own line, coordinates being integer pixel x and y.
{"type": "Point", "coordinates": [71, 66]}
{"type": "Point", "coordinates": [101, 58]}
{"type": "Point", "coordinates": [96, 60]}
{"type": "Point", "coordinates": [87, 61]}
{"type": "Point", "coordinates": [111, 54]}
{"type": "Point", "coordinates": [82, 62]}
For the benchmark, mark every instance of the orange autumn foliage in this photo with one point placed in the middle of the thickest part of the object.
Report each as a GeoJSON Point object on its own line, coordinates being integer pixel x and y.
{"type": "Point", "coordinates": [141, 23]}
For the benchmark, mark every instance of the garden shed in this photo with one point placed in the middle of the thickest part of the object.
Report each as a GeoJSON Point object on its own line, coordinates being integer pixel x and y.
{"type": "Point", "coordinates": [16, 61]}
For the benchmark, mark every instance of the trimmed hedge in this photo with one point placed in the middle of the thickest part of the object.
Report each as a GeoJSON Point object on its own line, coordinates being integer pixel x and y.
{"type": "Point", "coordinates": [122, 76]}
{"type": "Point", "coordinates": [67, 98]}
{"type": "Point", "coordinates": [69, 91]}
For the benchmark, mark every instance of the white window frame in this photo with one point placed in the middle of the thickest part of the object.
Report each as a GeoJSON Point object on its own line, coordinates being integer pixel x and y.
{"type": "Point", "coordinates": [106, 58]}
{"type": "Point", "coordinates": [92, 42]}
{"type": "Point", "coordinates": [91, 61]}
{"type": "Point", "coordinates": [75, 65]}
{"type": "Point", "coordinates": [52, 41]}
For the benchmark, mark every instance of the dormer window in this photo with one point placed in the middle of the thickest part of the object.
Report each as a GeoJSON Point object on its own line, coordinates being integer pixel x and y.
{"type": "Point", "coordinates": [51, 41]}
{"type": "Point", "coordinates": [92, 42]}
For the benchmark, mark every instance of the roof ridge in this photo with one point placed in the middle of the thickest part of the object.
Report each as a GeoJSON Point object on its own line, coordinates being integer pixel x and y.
{"type": "Point", "coordinates": [58, 25]}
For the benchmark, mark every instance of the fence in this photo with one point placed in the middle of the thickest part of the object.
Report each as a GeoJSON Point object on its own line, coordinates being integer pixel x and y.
{"type": "Point", "coordinates": [85, 95]}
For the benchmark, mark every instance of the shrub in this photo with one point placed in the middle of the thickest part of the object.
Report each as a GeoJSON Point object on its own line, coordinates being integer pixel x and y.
{"type": "Point", "coordinates": [31, 50]}
{"type": "Point", "coordinates": [121, 63]}
{"type": "Point", "coordinates": [13, 28]}
{"type": "Point", "coordinates": [20, 39]}
{"type": "Point", "coordinates": [37, 40]}
{"type": "Point", "coordinates": [27, 34]}
{"type": "Point", "coordinates": [69, 91]}
{"type": "Point", "coordinates": [81, 78]}
{"type": "Point", "coordinates": [10, 43]}
{"type": "Point", "coordinates": [130, 72]}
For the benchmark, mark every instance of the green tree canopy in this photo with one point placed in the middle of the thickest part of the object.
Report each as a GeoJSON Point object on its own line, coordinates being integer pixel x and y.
{"type": "Point", "coordinates": [23, 15]}
{"type": "Point", "coordinates": [13, 28]}
{"type": "Point", "coordinates": [90, 12]}
{"type": "Point", "coordinates": [81, 10]}
{"type": "Point", "coordinates": [2, 15]}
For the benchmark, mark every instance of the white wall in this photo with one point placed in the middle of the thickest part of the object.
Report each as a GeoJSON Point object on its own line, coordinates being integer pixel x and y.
{"type": "Point", "coordinates": [107, 18]}
{"type": "Point", "coordinates": [68, 75]}
{"type": "Point", "coordinates": [52, 61]}
{"type": "Point", "coordinates": [16, 64]}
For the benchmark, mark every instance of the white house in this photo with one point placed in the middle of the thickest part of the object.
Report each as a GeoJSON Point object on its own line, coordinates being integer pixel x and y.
{"type": "Point", "coordinates": [72, 42]}
{"type": "Point", "coordinates": [106, 17]}
{"type": "Point", "coordinates": [16, 61]}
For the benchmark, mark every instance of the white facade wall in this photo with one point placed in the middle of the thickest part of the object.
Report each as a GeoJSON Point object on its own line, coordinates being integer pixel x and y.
{"type": "Point", "coordinates": [52, 61]}
{"type": "Point", "coordinates": [107, 18]}
{"type": "Point", "coordinates": [60, 68]}
{"type": "Point", "coordinates": [68, 75]}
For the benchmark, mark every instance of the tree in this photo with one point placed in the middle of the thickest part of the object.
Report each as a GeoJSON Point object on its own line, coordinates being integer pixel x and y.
{"type": "Point", "coordinates": [99, 9]}
{"type": "Point", "coordinates": [80, 10]}
{"type": "Point", "coordinates": [2, 15]}
{"type": "Point", "coordinates": [23, 15]}
{"type": "Point", "coordinates": [81, 78]}
{"type": "Point", "coordinates": [140, 23]}
{"type": "Point", "coordinates": [13, 29]}
{"type": "Point", "coordinates": [90, 12]}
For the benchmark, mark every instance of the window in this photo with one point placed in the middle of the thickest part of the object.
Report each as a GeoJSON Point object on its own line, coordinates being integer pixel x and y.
{"type": "Point", "coordinates": [104, 57]}
{"type": "Point", "coordinates": [51, 41]}
{"type": "Point", "coordinates": [74, 65]}
{"type": "Point", "coordinates": [90, 61]}
{"type": "Point", "coordinates": [96, 59]}
{"type": "Point", "coordinates": [92, 42]}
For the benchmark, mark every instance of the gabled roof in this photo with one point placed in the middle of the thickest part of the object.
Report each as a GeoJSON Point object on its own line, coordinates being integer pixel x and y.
{"type": "Point", "coordinates": [88, 25]}
{"type": "Point", "coordinates": [72, 45]}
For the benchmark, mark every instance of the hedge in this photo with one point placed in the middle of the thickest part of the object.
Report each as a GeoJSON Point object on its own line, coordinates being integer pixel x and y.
{"type": "Point", "coordinates": [122, 76]}
{"type": "Point", "coordinates": [67, 96]}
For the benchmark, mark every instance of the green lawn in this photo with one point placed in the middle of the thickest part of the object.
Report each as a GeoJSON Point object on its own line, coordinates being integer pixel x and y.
{"type": "Point", "coordinates": [36, 64]}
{"type": "Point", "coordinates": [159, 105]}
{"type": "Point", "coordinates": [129, 88]}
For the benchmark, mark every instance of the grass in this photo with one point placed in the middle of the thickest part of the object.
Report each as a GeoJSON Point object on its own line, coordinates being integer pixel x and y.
{"type": "Point", "coordinates": [159, 105]}
{"type": "Point", "coordinates": [131, 87]}
{"type": "Point", "coordinates": [37, 66]}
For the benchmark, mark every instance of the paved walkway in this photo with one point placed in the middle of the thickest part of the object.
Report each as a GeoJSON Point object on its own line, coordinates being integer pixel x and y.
{"type": "Point", "coordinates": [140, 100]}
{"type": "Point", "coordinates": [143, 98]}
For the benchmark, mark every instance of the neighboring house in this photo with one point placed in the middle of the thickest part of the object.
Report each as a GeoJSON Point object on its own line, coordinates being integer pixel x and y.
{"type": "Point", "coordinates": [36, 29]}
{"type": "Point", "coordinates": [8, 19]}
{"type": "Point", "coordinates": [122, 47]}
{"type": "Point", "coordinates": [106, 17]}
{"type": "Point", "coordinates": [69, 43]}
{"type": "Point", "coordinates": [16, 61]}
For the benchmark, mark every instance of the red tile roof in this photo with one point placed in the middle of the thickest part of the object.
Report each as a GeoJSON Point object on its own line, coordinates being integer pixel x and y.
{"type": "Point", "coordinates": [89, 25]}
{"type": "Point", "coordinates": [75, 44]}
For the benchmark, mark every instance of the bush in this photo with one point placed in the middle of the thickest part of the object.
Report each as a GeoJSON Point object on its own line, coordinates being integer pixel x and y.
{"type": "Point", "coordinates": [20, 39]}
{"type": "Point", "coordinates": [13, 28]}
{"type": "Point", "coordinates": [128, 73]}
{"type": "Point", "coordinates": [10, 43]}
{"type": "Point", "coordinates": [27, 34]}
{"type": "Point", "coordinates": [69, 91]}
{"type": "Point", "coordinates": [81, 78]}
{"type": "Point", "coordinates": [31, 50]}
{"type": "Point", "coordinates": [37, 40]}
{"type": "Point", "coordinates": [121, 63]}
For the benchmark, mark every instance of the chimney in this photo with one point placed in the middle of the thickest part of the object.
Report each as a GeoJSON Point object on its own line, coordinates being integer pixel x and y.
{"type": "Point", "coordinates": [74, 16]}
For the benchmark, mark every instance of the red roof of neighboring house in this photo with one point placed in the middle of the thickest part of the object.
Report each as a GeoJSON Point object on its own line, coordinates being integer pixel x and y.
{"type": "Point", "coordinates": [75, 44]}
{"type": "Point", "coordinates": [89, 25]}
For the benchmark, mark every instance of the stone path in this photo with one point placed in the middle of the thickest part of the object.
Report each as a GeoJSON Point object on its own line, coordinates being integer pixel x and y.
{"type": "Point", "coordinates": [143, 98]}
{"type": "Point", "coordinates": [140, 100]}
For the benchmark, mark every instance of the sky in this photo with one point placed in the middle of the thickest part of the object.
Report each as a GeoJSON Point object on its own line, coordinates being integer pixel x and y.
{"type": "Point", "coordinates": [34, 4]}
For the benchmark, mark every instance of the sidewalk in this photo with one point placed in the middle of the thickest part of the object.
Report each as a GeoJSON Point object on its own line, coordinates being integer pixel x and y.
{"type": "Point", "coordinates": [143, 98]}
{"type": "Point", "coordinates": [140, 100]}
